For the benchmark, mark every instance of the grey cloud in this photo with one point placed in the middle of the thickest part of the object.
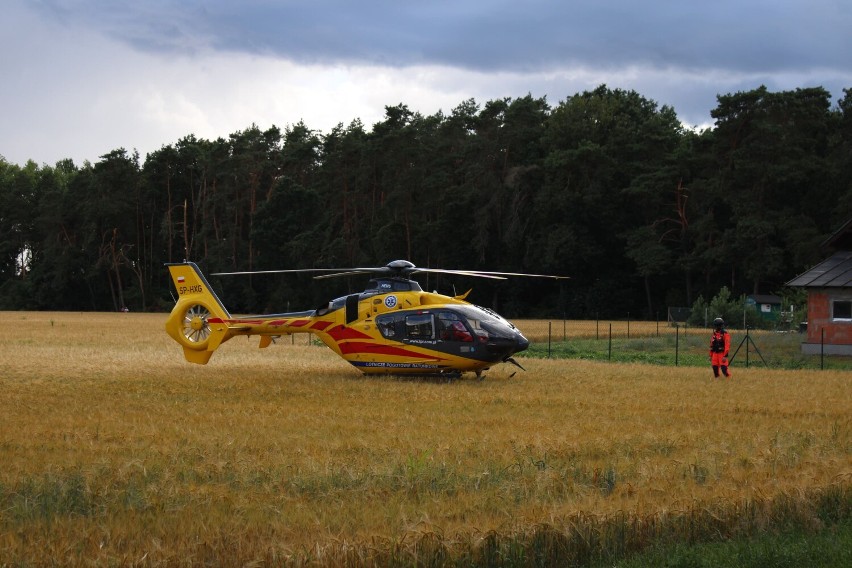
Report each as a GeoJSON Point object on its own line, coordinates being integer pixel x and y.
{"type": "Point", "coordinates": [75, 64]}
{"type": "Point", "coordinates": [746, 36]}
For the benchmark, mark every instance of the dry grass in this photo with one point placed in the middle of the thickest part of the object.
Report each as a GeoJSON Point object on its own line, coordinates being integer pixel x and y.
{"type": "Point", "coordinates": [115, 450]}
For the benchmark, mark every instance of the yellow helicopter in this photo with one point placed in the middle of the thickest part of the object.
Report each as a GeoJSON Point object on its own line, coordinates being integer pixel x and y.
{"type": "Point", "coordinates": [392, 327]}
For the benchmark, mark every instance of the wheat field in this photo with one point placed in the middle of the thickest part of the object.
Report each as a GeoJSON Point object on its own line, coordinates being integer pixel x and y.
{"type": "Point", "coordinates": [116, 451]}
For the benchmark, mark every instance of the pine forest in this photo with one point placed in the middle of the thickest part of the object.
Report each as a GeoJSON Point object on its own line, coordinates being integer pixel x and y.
{"type": "Point", "coordinates": [607, 187]}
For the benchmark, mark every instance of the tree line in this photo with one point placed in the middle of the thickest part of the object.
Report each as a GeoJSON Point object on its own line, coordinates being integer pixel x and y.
{"type": "Point", "coordinates": [606, 187]}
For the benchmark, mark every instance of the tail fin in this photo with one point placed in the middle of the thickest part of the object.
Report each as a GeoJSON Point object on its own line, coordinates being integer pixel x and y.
{"type": "Point", "coordinates": [198, 320]}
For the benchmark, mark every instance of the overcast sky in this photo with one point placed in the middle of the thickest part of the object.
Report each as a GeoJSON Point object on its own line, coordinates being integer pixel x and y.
{"type": "Point", "coordinates": [80, 78]}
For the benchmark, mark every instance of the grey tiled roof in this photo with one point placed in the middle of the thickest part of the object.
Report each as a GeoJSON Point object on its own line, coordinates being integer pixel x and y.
{"type": "Point", "coordinates": [833, 272]}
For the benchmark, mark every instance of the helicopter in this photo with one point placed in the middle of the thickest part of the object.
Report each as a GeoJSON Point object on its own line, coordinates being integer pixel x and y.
{"type": "Point", "coordinates": [392, 327]}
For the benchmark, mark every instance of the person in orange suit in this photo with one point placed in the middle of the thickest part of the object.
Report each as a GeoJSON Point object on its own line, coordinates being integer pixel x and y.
{"type": "Point", "coordinates": [720, 345]}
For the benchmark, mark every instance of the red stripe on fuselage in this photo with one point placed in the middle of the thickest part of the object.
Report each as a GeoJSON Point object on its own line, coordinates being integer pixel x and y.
{"type": "Point", "coordinates": [353, 347]}
{"type": "Point", "coordinates": [341, 332]}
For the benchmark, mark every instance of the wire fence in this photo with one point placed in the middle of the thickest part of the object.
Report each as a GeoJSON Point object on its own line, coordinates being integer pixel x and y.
{"type": "Point", "coordinates": [665, 343]}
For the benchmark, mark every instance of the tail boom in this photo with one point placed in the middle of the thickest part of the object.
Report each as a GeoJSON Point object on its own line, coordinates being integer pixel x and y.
{"type": "Point", "coordinates": [200, 323]}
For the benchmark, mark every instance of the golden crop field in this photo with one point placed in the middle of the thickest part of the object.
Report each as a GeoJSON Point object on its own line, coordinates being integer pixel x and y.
{"type": "Point", "coordinates": [115, 450]}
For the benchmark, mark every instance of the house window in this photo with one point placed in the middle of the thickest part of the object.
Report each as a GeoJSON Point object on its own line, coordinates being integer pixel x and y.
{"type": "Point", "coordinates": [841, 310]}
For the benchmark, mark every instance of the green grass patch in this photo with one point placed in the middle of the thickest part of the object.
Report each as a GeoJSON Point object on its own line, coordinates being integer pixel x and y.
{"type": "Point", "coordinates": [829, 548]}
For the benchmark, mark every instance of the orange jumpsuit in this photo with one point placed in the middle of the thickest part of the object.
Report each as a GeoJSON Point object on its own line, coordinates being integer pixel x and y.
{"type": "Point", "coordinates": [720, 345]}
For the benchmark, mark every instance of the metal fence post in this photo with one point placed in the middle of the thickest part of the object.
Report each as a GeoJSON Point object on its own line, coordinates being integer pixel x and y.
{"type": "Point", "coordinates": [822, 349]}
{"type": "Point", "coordinates": [746, 346]}
{"type": "Point", "coordinates": [609, 350]}
{"type": "Point", "coordinates": [549, 334]}
{"type": "Point", "coordinates": [677, 342]}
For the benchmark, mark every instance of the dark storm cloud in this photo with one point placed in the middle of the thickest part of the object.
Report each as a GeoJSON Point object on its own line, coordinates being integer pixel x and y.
{"type": "Point", "coordinates": [85, 76]}
{"type": "Point", "coordinates": [538, 35]}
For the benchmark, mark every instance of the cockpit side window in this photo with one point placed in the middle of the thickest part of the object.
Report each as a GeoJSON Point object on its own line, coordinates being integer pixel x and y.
{"type": "Point", "coordinates": [452, 328]}
{"type": "Point", "coordinates": [420, 326]}
{"type": "Point", "coordinates": [390, 326]}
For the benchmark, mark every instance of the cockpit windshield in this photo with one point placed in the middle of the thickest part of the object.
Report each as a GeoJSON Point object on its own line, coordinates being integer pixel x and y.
{"type": "Point", "coordinates": [461, 323]}
{"type": "Point", "coordinates": [486, 323]}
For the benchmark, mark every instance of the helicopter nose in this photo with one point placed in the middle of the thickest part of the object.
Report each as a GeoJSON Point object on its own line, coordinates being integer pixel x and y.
{"type": "Point", "coordinates": [521, 343]}
{"type": "Point", "coordinates": [516, 344]}
{"type": "Point", "coordinates": [508, 344]}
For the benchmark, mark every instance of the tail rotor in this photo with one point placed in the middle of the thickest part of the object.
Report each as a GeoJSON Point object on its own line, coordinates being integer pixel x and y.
{"type": "Point", "coordinates": [196, 329]}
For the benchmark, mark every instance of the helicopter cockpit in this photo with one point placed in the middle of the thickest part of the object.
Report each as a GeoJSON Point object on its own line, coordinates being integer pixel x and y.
{"type": "Point", "coordinates": [468, 328]}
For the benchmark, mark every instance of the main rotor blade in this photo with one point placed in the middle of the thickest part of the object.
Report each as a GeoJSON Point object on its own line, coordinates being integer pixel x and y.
{"type": "Point", "coordinates": [242, 273]}
{"type": "Point", "coordinates": [489, 274]}
{"type": "Point", "coordinates": [352, 272]}
{"type": "Point", "coordinates": [397, 268]}
{"type": "Point", "coordinates": [477, 274]}
{"type": "Point", "coordinates": [525, 274]}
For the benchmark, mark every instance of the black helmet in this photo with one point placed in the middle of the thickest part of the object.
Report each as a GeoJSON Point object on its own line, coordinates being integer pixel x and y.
{"type": "Point", "coordinates": [718, 323]}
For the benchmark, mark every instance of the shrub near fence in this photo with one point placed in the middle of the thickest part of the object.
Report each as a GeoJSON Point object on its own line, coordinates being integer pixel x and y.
{"type": "Point", "coordinates": [661, 343]}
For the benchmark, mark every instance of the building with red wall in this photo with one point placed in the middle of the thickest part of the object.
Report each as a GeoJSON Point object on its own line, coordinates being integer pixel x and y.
{"type": "Point", "coordinates": [829, 286]}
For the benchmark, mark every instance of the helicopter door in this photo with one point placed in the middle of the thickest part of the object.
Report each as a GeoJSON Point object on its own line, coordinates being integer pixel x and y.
{"type": "Point", "coordinates": [352, 307]}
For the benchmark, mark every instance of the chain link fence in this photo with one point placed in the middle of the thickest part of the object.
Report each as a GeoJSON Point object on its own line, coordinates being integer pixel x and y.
{"type": "Point", "coordinates": [669, 343]}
